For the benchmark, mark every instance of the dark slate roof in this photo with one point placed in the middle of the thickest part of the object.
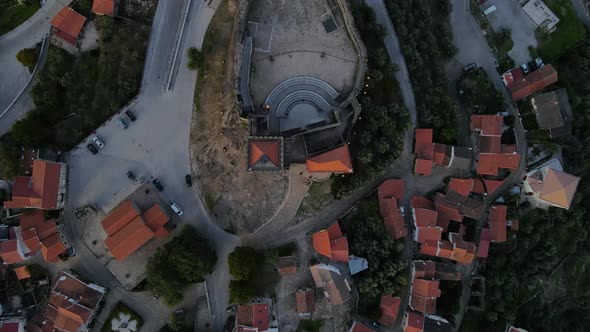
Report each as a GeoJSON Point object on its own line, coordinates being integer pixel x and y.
{"type": "Point", "coordinates": [553, 112]}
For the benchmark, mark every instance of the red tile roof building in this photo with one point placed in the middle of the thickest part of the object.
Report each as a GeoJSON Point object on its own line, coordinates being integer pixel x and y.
{"type": "Point", "coordinates": [336, 160]}
{"type": "Point", "coordinates": [331, 243]}
{"type": "Point", "coordinates": [492, 154]}
{"type": "Point", "coordinates": [332, 283]}
{"type": "Point", "coordinates": [305, 299]}
{"type": "Point", "coordinates": [40, 234]}
{"type": "Point", "coordinates": [11, 252]}
{"type": "Point", "coordinates": [103, 7]}
{"type": "Point", "coordinates": [252, 316]}
{"type": "Point", "coordinates": [497, 223]}
{"type": "Point", "coordinates": [22, 273]}
{"type": "Point", "coordinates": [424, 150]}
{"type": "Point", "coordinates": [72, 304]}
{"type": "Point", "coordinates": [413, 322]}
{"type": "Point", "coordinates": [68, 24]}
{"type": "Point", "coordinates": [127, 230]}
{"type": "Point", "coordinates": [265, 153]}
{"type": "Point", "coordinates": [484, 243]}
{"type": "Point", "coordinates": [286, 265]}
{"type": "Point", "coordinates": [389, 192]}
{"type": "Point", "coordinates": [45, 189]}
{"type": "Point", "coordinates": [424, 295]}
{"type": "Point", "coordinates": [389, 306]}
{"type": "Point", "coordinates": [533, 82]}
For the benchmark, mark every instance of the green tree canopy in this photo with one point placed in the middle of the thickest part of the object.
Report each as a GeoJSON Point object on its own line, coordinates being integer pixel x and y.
{"type": "Point", "coordinates": [240, 291]}
{"type": "Point", "coordinates": [242, 262]}
{"type": "Point", "coordinates": [28, 57]}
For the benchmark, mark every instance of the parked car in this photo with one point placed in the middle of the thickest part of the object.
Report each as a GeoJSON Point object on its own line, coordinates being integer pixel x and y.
{"type": "Point", "coordinates": [131, 116]}
{"type": "Point", "coordinates": [176, 209]}
{"type": "Point", "coordinates": [92, 148]}
{"type": "Point", "coordinates": [525, 68]}
{"type": "Point", "coordinates": [98, 142]}
{"type": "Point", "coordinates": [189, 180]}
{"type": "Point", "coordinates": [158, 185]}
{"type": "Point", "coordinates": [469, 67]}
{"type": "Point", "coordinates": [131, 176]}
{"type": "Point", "coordinates": [539, 62]}
{"type": "Point", "coordinates": [122, 123]}
{"type": "Point", "coordinates": [489, 10]}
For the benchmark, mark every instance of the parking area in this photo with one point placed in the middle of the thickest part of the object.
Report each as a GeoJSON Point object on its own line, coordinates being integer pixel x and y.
{"type": "Point", "coordinates": [509, 15]}
{"type": "Point", "coordinates": [131, 271]}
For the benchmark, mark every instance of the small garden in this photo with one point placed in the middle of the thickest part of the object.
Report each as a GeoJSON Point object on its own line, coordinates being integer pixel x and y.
{"type": "Point", "coordinates": [122, 319]}
{"type": "Point", "coordinates": [14, 12]}
{"type": "Point", "coordinates": [570, 31]}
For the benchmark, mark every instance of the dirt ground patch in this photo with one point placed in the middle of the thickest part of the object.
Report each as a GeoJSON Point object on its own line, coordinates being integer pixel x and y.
{"type": "Point", "coordinates": [318, 196]}
{"type": "Point", "coordinates": [139, 10]}
{"type": "Point", "coordinates": [239, 201]}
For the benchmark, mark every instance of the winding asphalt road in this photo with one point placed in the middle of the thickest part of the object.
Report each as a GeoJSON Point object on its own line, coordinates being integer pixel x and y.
{"type": "Point", "coordinates": [13, 75]}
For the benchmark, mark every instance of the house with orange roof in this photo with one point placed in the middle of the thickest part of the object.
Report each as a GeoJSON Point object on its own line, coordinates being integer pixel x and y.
{"type": "Point", "coordinates": [497, 223]}
{"type": "Point", "coordinates": [548, 185]}
{"type": "Point", "coordinates": [334, 285]}
{"type": "Point", "coordinates": [331, 243]}
{"type": "Point", "coordinates": [265, 153]}
{"type": "Point", "coordinates": [424, 151]}
{"type": "Point", "coordinates": [533, 82]}
{"type": "Point", "coordinates": [252, 317]}
{"type": "Point", "coordinates": [67, 25]}
{"type": "Point", "coordinates": [128, 230]}
{"type": "Point", "coordinates": [424, 294]}
{"type": "Point", "coordinates": [492, 154]}
{"type": "Point", "coordinates": [11, 252]}
{"type": "Point", "coordinates": [305, 300]}
{"type": "Point", "coordinates": [22, 273]}
{"type": "Point", "coordinates": [72, 304]}
{"type": "Point", "coordinates": [389, 192]}
{"type": "Point", "coordinates": [45, 189]}
{"type": "Point", "coordinates": [286, 265]}
{"type": "Point", "coordinates": [389, 306]}
{"type": "Point", "coordinates": [413, 322]}
{"type": "Point", "coordinates": [336, 160]}
{"type": "Point", "coordinates": [484, 243]}
{"type": "Point", "coordinates": [104, 7]}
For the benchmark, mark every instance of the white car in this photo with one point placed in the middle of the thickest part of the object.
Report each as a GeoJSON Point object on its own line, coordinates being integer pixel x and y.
{"type": "Point", "coordinates": [98, 142]}
{"type": "Point", "coordinates": [176, 209]}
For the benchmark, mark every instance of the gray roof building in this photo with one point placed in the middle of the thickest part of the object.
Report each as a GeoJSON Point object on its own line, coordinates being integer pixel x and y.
{"type": "Point", "coordinates": [553, 112]}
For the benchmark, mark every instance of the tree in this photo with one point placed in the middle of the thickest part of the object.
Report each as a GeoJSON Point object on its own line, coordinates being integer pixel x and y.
{"type": "Point", "coordinates": [183, 261]}
{"type": "Point", "coordinates": [10, 154]}
{"type": "Point", "coordinates": [195, 58]}
{"type": "Point", "coordinates": [242, 262]}
{"type": "Point", "coordinates": [240, 291]}
{"type": "Point", "coordinates": [28, 57]}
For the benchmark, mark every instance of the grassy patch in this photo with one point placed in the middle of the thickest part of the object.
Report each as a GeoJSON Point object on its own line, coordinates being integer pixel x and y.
{"type": "Point", "coordinates": [12, 14]}
{"type": "Point", "coordinates": [310, 325]}
{"type": "Point", "coordinates": [120, 308]}
{"type": "Point", "coordinates": [317, 196]}
{"type": "Point", "coordinates": [569, 31]}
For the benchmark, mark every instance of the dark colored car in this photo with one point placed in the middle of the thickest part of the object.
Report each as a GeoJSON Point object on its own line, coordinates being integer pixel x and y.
{"type": "Point", "coordinates": [469, 67]}
{"type": "Point", "coordinates": [158, 185]}
{"type": "Point", "coordinates": [92, 148]}
{"type": "Point", "coordinates": [189, 180]}
{"type": "Point", "coordinates": [130, 115]}
{"type": "Point", "coordinates": [131, 176]}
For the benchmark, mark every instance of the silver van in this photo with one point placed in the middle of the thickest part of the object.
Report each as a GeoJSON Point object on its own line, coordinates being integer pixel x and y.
{"type": "Point", "coordinates": [176, 209]}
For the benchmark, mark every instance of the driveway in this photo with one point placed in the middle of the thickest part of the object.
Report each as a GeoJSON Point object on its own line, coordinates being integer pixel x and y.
{"type": "Point", "coordinates": [156, 145]}
{"type": "Point", "coordinates": [510, 15]}
{"type": "Point", "coordinates": [13, 75]}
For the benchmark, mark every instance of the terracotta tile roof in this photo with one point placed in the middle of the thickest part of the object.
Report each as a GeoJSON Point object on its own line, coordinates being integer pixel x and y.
{"type": "Point", "coordinates": [31, 218]}
{"type": "Point", "coordinates": [426, 288]}
{"type": "Point", "coordinates": [424, 148]}
{"type": "Point", "coordinates": [490, 144]}
{"type": "Point", "coordinates": [424, 217]}
{"type": "Point", "coordinates": [22, 273]}
{"type": "Point", "coordinates": [422, 304]}
{"type": "Point", "coordinates": [392, 218]}
{"type": "Point", "coordinates": [421, 202]}
{"type": "Point", "coordinates": [424, 269]}
{"type": "Point", "coordinates": [389, 306]}
{"type": "Point", "coordinates": [10, 326]}
{"type": "Point", "coordinates": [130, 238]}
{"type": "Point", "coordinates": [161, 233]}
{"type": "Point", "coordinates": [120, 216]}
{"type": "Point", "coordinates": [10, 253]}
{"type": "Point", "coordinates": [155, 218]}
{"type": "Point", "coordinates": [267, 150]}
{"type": "Point", "coordinates": [487, 125]}
{"type": "Point", "coordinates": [489, 164]}
{"type": "Point", "coordinates": [423, 167]}
{"type": "Point", "coordinates": [461, 186]}
{"type": "Point", "coordinates": [493, 185]}
{"type": "Point", "coordinates": [336, 160]}
{"type": "Point", "coordinates": [305, 299]}
{"type": "Point", "coordinates": [391, 188]}
{"type": "Point", "coordinates": [415, 322]}
{"type": "Point", "coordinates": [52, 247]}
{"type": "Point", "coordinates": [534, 82]}
{"type": "Point", "coordinates": [428, 233]}
{"type": "Point", "coordinates": [331, 243]}
{"type": "Point", "coordinates": [286, 265]}
{"type": "Point", "coordinates": [104, 7]}
{"type": "Point", "coordinates": [360, 327]}
{"type": "Point", "coordinates": [40, 190]}
{"type": "Point", "coordinates": [31, 240]}
{"type": "Point", "coordinates": [514, 224]}
{"type": "Point", "coordinates": [429, 248]}
{"type": "Point", "coordinates": [498, 223]}
{"type": "Point", "coordinates": [446, 211]}
{"type": "Point", "coordinates": [333, 283]}
{"type": "Point", "coordinates": [445, 249]}
{"type": "Point", "coordinates": [440, 151]}
{"type": "Point", "coordinates": [69, 24]}
{"type": "Point", "coordinates": [514, 74]}
{"type": "Point", "coordinates": [253, 315]}
{"type": "Point", "coordinates": [559, 188]}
